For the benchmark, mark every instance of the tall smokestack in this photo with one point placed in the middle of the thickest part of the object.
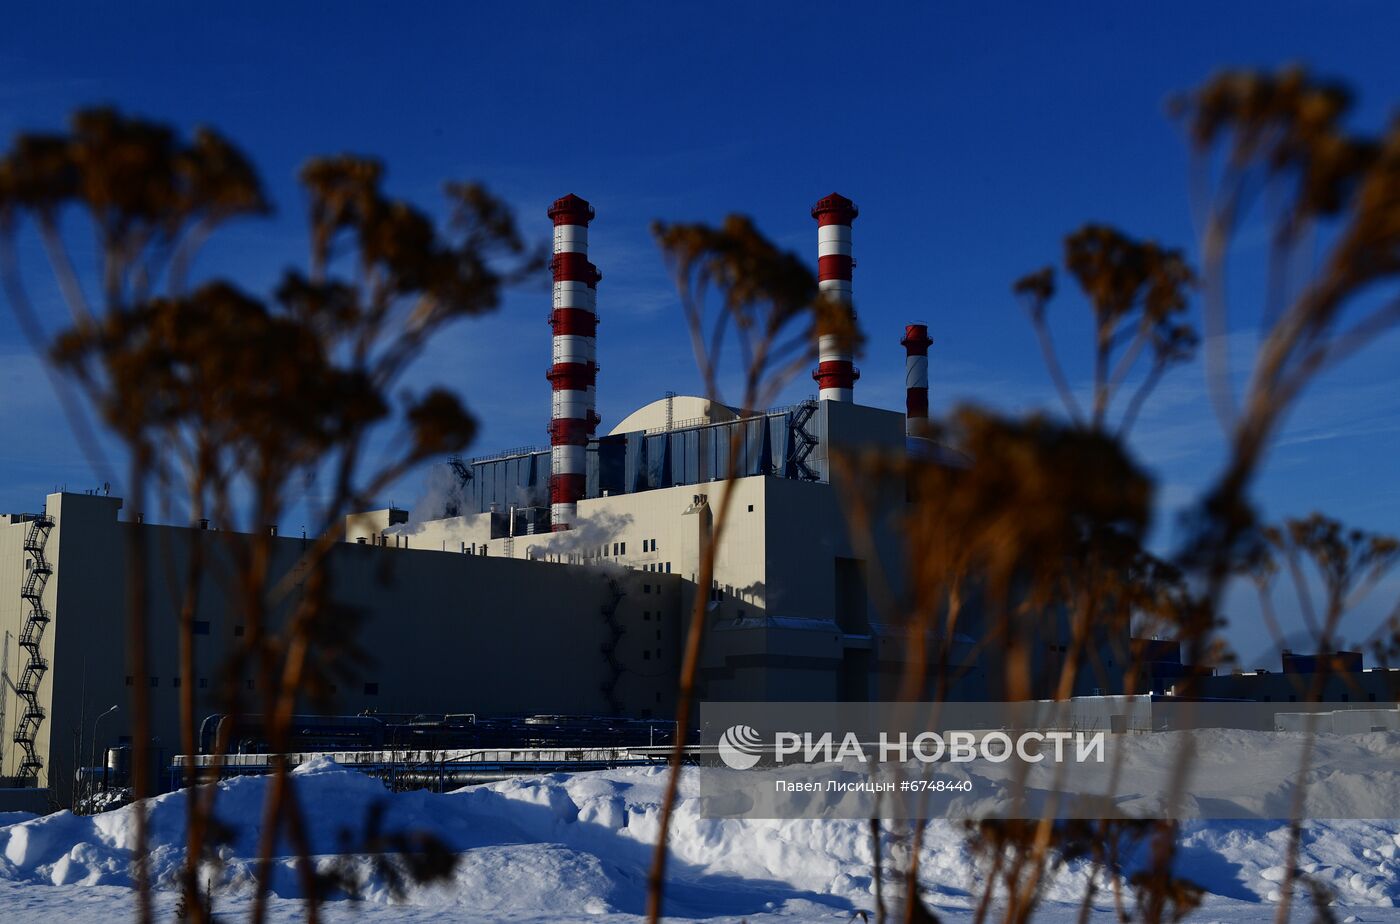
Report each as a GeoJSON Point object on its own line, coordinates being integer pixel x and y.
{"type": "Point", "coordinates": [836, 373]}
{"type": "Point", "coordinates": [916, 344]}
{"type": "Point", "coordinates": [575, 369]}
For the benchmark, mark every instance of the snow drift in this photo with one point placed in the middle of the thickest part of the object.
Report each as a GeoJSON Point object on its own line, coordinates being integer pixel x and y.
{"type": "Point", "coordinates": [572, 846]}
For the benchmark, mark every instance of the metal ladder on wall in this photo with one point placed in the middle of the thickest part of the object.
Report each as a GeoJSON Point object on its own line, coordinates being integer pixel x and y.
{"type": "Point", "coordinates": [36, 620]}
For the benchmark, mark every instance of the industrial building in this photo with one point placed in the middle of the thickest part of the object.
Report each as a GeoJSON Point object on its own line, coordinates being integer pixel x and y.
{"type": "Point", "coordinates": [1336, 677]}
{"type": "Point", "coordinates": [557, 580]}
{"type": "Point", "coordinates": [791, 605]}
{"type": "Point", "coordinates": [434, 633]}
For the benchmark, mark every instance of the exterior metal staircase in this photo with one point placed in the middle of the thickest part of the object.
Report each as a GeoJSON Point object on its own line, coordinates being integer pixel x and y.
{"type": "Point", "coordinates": [615, 632]}
{"type": "Point", "coordinates": [802, 443]}
{"type": "Point", "coordinates": [462, 470]}
{"type": "Point", "coordinates": [36, 620]}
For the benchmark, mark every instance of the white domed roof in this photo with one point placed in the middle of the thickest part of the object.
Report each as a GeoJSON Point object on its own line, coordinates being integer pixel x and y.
{"type": "Point", "coordinates": [678, 410]}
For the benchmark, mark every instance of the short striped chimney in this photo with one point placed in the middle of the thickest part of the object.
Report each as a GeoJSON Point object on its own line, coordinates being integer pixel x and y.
{"type": "Point", "coordinates": [836, 373]}
{"type": "Point", "coordinates": [916, 344]}
{"type": "Point", "coordinates": [575, 370]}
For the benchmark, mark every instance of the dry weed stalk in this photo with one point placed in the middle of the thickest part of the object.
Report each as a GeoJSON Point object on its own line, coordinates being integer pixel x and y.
{"type": "Point", "coordinates": [735, 288]}
{"type": "Point", "coordinates": [1279, 139]}
{"type": "Point", "coordinates": [226, 402]}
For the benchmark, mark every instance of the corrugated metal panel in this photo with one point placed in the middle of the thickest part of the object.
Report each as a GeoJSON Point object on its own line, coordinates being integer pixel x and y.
{"type": "Point", "coordinates": [632, 462]}
{"type": "Point", "coordinates": [516, 480]}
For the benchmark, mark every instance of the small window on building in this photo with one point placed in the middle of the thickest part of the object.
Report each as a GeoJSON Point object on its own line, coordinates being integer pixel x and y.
{"type": "Point", "coordinates": [658, 654]}
{"type": "Point", "coordinates": [237, 631]}
{"type": "Point", "coordinates": [668, 567]}
{"type": "Point", "coordinates": [646, 588]}
{"type": "Point", "coordinates": [646, 656]}
{"type": "Point", "coordinates": [155, 681]}
{"type": "Point", "coordinates": [750, 508]}
{"type": "Point", "coordinates": [658, 637]}
{"type": "Point", "coordinates": [1372, 697]}
{"type": "Point", "coordinates": [204, 683]}
{"type": "Point", "coordinates": [248, 683]}
{"type": "Point", "coordinates": [175, 682]}
{"type": "Point", "coordinates": [371, 689]}
{"type": "Point", "coordinates": [130, 680]}
{"type": "Point", "coordinates": [201, 627]}
{"type": "Point", "coordinates": [624, 548]}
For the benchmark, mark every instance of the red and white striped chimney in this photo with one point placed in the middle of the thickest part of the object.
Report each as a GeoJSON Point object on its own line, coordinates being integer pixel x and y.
{"type": "Point", "coordinates": [916, 344]}
{"type": "Point", "coordinates": [836, 373]}
{"type": "Point", "coordinates": [575, 370]}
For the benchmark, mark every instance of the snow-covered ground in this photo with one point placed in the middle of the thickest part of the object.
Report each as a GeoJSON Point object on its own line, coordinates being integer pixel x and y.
{"type": "Point", "coordinates": [575, 847]}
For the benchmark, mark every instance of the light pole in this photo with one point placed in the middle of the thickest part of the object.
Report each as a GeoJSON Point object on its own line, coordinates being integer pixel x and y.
{"type": "Point", "coordinates": [94, 742]}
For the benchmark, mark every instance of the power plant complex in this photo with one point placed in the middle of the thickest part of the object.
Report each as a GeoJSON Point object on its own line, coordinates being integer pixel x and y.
{"type": "Point", "coordinates": [552, 581]}
{"type": "Point", "coordinates": [557, 580]}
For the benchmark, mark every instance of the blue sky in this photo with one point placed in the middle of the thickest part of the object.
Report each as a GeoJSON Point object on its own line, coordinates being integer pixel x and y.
{"type": "Point", "coordinates": [972, 136]}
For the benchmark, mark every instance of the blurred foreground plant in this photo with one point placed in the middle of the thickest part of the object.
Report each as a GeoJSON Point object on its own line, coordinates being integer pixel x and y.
{"type": "Point", "coordinates": [1029, 533]}
{"type": "Point", "coordinates": [226, 403]}
{"type": "Point", "coordinates": [738, 289]}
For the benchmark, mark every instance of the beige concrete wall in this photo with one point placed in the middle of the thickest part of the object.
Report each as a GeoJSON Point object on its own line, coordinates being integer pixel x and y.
{"type": "Point", "coordinates": [12, 614]}
{"type": "Point", "coordinates": [369, 526]}
{"type": "Point", "coordinates": [774, 630]}
{"type": "Point", "coordinates": [783, 624]}
{"type": "Point", "coordinates": [435, 632]}
{"type": "Point", "coordinates": [467, 534]}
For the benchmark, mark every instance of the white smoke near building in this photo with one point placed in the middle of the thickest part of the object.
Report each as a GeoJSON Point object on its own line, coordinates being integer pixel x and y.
{"type": "Point", "coordinates": [442, 496]}
{"type": "Point", "coordinates": [586, 541]}
{"type": "Point", "coordinates": [530, 495]}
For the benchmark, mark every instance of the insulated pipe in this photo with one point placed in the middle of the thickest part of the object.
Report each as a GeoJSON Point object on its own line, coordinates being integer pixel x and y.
{"type": "Point", "coordinates": [916, 344]}
{"type": "Point", "coordinates": [575, 370]}
{"type": "Point", "coordinates": [836, 373]}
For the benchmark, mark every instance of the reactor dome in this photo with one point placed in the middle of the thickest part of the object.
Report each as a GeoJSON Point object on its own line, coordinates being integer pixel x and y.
{"type": "Point", "coordinates": [674, 411]}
